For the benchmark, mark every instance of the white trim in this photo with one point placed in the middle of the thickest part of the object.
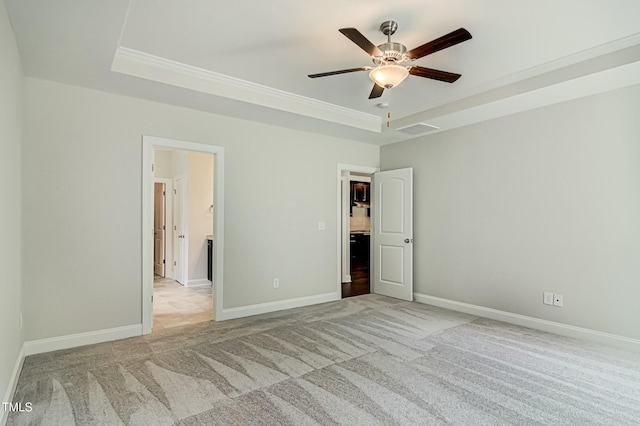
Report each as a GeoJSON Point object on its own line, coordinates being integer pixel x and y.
{"type": "Point", "coordinates": [545, 84]}
{"type": "Point", "coordinates": [615, 340]}
{"type": "Point", "coordinates": [33, 347]}
{"type": "Point", "coordinates": [345, 223]}
{"type": "Point", "coordinates": [155, 68]}
{"type": "Point", "coordinates": [13, 382]}
{"type": "Point", "coordinates": [356, 178]}
{"type": "Point", "coordinates": [555, 65]}
{"type": "Point", "coordinates": [148, 144]}
{"type": "Point", "coordinates": [591, 84]}
{"type": "Point", "coordinates": [200, 282]}
{"type": "Point", "coordinates": [345, 168]}
{"type": "Point", "coordinates": [278, 305]}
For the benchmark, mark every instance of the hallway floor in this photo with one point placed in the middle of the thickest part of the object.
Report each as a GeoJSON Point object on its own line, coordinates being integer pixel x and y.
{"type": "Point", "coordinates": [175, 305]}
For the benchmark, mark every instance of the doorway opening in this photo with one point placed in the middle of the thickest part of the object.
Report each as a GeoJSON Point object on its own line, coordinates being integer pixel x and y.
{"type": "Point", "coordinates": [183, 206]}
{"type": "Point", "coordinates": [182, 285]}
{"type": "Point", "coordinates": [355, 207]}
{"type": "Point", "coordinates": [357, 276]}
{"type": "Point", "coordinates": [391, 230]}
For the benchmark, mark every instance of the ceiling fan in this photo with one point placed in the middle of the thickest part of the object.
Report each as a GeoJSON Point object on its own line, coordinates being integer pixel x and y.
{"type": "Point", "coordinates": [389, 57]}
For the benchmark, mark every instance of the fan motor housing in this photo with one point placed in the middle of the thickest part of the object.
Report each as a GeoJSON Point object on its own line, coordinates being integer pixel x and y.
{"type": "Point", "coordinates": [391, 53]}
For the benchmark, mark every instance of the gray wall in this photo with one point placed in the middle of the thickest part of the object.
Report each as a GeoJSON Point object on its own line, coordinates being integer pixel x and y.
{"type": "Point", "coordinates": [546, 200]}
{"type": "Point", "coordinates": [82, 206]}
{"type": "Point", "coordinates": [11, 95]}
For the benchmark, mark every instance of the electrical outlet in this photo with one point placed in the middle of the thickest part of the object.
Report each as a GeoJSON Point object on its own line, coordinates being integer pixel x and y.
{"type": "Point", "coordinates": [547, 298]}
{"type": "Point", "coordinates": [557, 300]}
{"type": "Point", "coordinates": [276, 282]}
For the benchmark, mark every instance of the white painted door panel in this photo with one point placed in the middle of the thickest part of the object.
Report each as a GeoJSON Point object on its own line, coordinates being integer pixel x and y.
{"type": "Point", "coordinates": [179, 240]}
{"type": "Point", "coordinates": [159, 229]}
{"type": "Point", "coordinates": [393, 233]}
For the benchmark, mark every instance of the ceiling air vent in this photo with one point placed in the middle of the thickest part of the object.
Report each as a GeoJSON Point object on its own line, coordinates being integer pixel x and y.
{"type": "Point", "coordinates": [417, 129]}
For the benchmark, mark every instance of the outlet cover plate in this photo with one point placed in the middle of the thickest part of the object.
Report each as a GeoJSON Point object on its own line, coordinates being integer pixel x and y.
{"type": "Point", "coordinates": [557, 300]}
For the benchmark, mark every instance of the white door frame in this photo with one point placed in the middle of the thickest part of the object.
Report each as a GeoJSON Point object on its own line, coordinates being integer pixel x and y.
{"type": "Point", "coordinates": [168, 219]}
{"type": "Point", "coordinates": [148, 145]}
{"type": "Point", "coordinates": [346, 168]}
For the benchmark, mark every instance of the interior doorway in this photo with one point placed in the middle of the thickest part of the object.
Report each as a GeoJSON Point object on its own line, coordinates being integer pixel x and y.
{"type": "Point", "coordinates": [202, 236]}
{"type": "Point", "coordinates": [391, 230]}
{"type": "Point", "coordinates": [354, 248]}
{"type": "Point", "coordinates": [357, 267]}
{"type": "Point", "coordinates": [184, 295]}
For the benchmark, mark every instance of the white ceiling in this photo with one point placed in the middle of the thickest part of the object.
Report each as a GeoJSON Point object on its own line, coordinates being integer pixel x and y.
{"type": "Point", "coordinates": [250, 59]}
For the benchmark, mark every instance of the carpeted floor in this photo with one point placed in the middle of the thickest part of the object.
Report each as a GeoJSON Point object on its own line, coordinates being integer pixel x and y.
{"type": "Point", "coordinates": [367, 360]}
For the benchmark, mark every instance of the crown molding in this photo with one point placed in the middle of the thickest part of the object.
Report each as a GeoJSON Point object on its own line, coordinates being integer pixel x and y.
{"type": "Point", "coordinates": [592, 84]}
{"type": "Point", "coordinates": [144, 65]}
{"type": "Point", "coordinates": [558, 64]}
{"type": "Point", "coordinates": [549, 67]}
{"type": "Point", "coordinates": [606, 67]}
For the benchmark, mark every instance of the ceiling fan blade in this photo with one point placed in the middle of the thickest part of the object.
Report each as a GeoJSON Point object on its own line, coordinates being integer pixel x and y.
{"type": "Point", "coordinates": [448, 40]}
{"type": "Point", "coordinates": [325, 74]}
{"type": "Point", "coordinates": [447, 77]}
{"type": "Point", "coordinates": [376, 92]}
{"type": "Point", "coordinates": [357, 37]}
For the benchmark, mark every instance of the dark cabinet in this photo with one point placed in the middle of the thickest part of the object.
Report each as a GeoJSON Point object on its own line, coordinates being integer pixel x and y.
{"type": "Point", "coordinates": [360, 267]}
{"type": "Point", "coordinates": [210, 260]}
{"type": "Point", "coordinates": [359, 251]}
{"type": "Point", "coordinates": [360, 195]}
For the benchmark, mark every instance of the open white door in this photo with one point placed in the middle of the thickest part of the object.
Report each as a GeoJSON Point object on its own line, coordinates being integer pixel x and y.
{"type": "Point", "coordinates": [392, 252]}
{"type": "Point", "coordinates": [179, 232]}
{"type": "Point", "coordinates": [159, 229]}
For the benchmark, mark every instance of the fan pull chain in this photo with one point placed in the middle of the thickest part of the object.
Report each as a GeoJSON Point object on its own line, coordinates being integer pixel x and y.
{"type": "Point", "coordinates": [389, 95]}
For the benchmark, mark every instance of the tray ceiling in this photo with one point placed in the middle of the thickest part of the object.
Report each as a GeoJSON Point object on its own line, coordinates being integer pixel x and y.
{"type": "Point", "coordinates": [251, 59]}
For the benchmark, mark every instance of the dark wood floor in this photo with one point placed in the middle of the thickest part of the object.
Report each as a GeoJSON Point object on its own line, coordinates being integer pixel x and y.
{"type": "Point", "coordinates": [359, 281]}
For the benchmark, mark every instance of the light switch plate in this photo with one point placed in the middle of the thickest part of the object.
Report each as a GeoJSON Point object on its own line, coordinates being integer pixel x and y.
{"type": "Point", "coordinates": [547, 298]}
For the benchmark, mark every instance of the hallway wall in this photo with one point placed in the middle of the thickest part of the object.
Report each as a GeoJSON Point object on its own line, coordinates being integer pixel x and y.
{"type": "Point", "coordinates": [200, 217]}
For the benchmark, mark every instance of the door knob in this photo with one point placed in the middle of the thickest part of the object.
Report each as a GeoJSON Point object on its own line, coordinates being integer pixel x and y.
{"type": "Point", "coordinates": [407, 240]}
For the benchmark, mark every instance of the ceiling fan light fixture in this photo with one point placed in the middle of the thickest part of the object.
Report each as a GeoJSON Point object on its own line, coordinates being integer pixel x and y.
{"type": "Point", "coordinates": [388, 76]}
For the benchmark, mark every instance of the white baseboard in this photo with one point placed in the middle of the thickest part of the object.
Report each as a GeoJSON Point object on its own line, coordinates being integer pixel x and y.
{"type": "Point", "coordinates": [202, 282]}
{"type": "Point", "coordinates": [264, 308]}
{"type": "Point", "coordinates": [11, 388]}
{"type": "Point", "coordinates": [615, 340]}
{"type": "Point", "coordinates": [33, 347]}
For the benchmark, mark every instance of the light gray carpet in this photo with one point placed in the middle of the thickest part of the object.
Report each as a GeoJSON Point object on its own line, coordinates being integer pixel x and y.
{"type": "Point", "coordinates": [368, 360]}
